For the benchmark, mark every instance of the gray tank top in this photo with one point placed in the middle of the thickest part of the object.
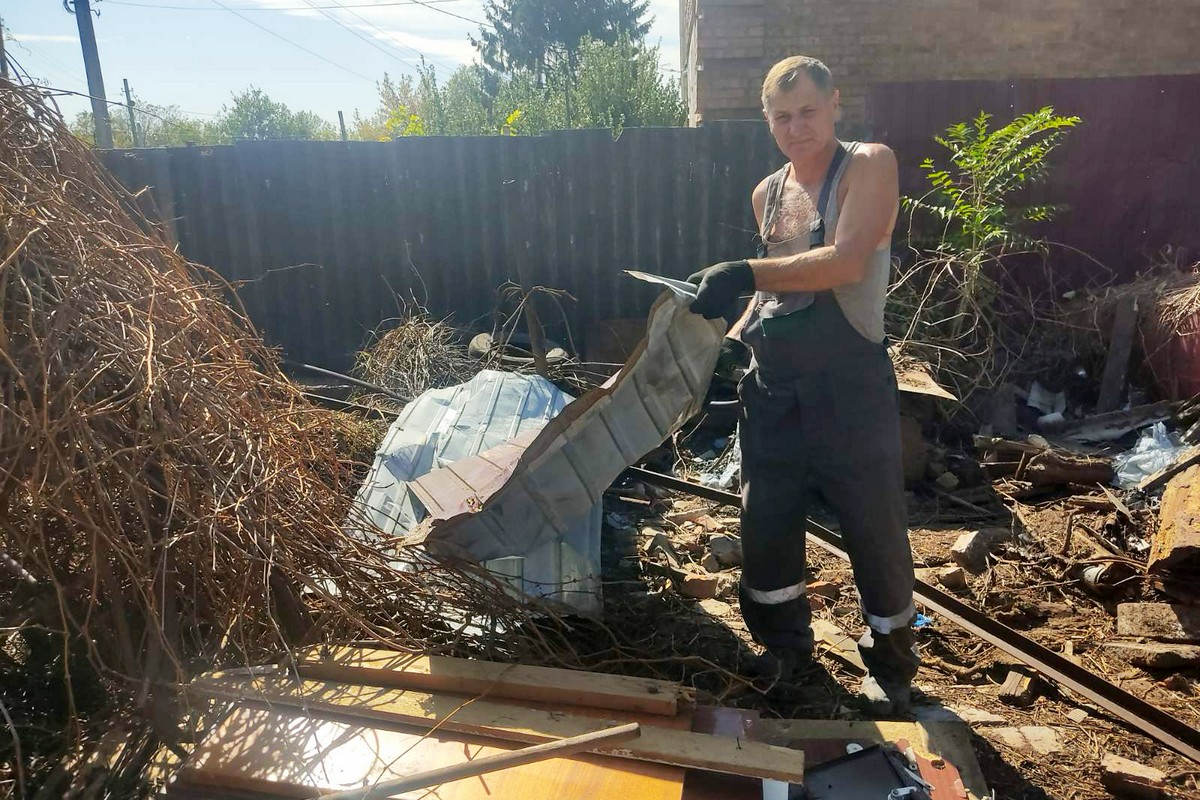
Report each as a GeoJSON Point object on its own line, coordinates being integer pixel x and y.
{"type": "Point", "coordinates": [861, 303]}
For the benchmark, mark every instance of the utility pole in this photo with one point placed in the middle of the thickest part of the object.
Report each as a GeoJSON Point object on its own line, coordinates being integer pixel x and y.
{"type": "Point", "coordinates": [133, 130]}
{"type": "Point", "coordinates": [3, 57]}
{"type": "Point", "coordinates": [342, 125]}
{"type": "Point", "coordinates": [91, 63]}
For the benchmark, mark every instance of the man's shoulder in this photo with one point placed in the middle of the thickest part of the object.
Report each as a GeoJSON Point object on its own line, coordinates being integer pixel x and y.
{"type": "Point", "coordinates": [873, 152]}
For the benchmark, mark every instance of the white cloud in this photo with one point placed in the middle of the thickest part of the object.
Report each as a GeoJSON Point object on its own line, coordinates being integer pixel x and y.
{"type": "Point", "coordinates": [50, 38]}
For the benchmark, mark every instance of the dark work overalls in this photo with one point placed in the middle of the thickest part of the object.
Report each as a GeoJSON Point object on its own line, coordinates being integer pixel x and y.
{"type": "Point", "coordinates": [819, 412]}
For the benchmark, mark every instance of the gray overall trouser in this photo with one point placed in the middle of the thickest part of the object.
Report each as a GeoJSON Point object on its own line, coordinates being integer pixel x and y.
{"type": "Point", "coordinates": [819, 412]}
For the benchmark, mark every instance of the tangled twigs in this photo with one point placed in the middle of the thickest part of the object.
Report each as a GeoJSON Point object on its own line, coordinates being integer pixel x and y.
{"type": "Point", "coordinates": [168, 501]}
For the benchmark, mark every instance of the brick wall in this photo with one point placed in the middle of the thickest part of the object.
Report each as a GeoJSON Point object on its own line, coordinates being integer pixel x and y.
{"type": "Point", "coordinates": [730, 44]}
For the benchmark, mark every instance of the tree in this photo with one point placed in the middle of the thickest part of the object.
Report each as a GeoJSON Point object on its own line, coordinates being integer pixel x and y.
{"type": "Point", "coordinates": [254, 115]}
{"type": "Point", "coordinates": [617, 85]}
{"type": "Point", "coordinates": [158, 126]}
{"type": "Point", "coordinates": [545, 36]}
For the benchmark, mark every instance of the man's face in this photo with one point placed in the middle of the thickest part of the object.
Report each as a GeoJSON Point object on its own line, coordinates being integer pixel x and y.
{"type": "Point", "coordinates": [802, 118]}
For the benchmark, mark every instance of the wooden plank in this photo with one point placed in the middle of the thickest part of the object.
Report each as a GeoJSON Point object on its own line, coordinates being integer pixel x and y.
{"type": "Point", "coordinates": [1175, 545]}
{"type": "Point", "coordinates": [1117, 363]}
{"type": "Point", "coordinates": [512, 681]}
{"type": "Point", "coordinates": [1165, 621]}
{"type": "Point", "coordinates": [281, 753]}
{"type": "Point", "coordinates": [493, 763]}
{"type": "Point", "coordinates": [390, 707]}
{"type": "Point", "coordinates": [1187, 460]}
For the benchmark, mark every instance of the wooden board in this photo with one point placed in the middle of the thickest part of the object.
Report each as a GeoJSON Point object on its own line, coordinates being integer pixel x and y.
{"type": "Point", "coordinates": [1112, 383]}
{"type": "Point", "coordinates": [383, 707]}
{"type": "Point", "coordinates": [511, 681]}
{"type": "Point", "coordinates": [1176, 543]}
{"type": "Point", "coordinates": [287, 754]}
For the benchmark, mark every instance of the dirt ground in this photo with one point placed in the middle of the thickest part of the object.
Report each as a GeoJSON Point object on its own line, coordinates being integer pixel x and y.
{"type": "Point", "coordinates": [1026, 585]}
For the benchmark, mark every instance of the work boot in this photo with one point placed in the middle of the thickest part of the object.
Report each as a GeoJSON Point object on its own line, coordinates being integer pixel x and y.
{"type": "Point", "coordinates": [885, 698]}
{"type": "Point", "coordinates": [775, 665]}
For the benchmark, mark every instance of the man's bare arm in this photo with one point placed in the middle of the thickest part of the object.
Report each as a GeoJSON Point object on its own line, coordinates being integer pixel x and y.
{"type": "Point", "coordinates": [866, 219]}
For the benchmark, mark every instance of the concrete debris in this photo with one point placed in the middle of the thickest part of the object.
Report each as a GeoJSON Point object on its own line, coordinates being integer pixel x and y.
{"type": "Point", "coordinates": [1163, 621]}
{"type": "Point", "coordinates": [700, 586]}
{"type": "Point", "coordinates": [727, 550]}
{"type": "Point", "coordinates": [1125, 778]}
{"type": "Point", "coordinates": [968, 714]}
{"type": "Point", "coordinates": [1030, 738]}
{"type": "Point", "coordinates": [710, 563]}
{"type": "Point", "coordinates": [953, 578]}
{"type": "Point", "coordinates": [971, 550]}
{"type": "Point", "coordinates": [826, 589]}
{"type": "Point", "coordinates": [947, 481]}
{"type": "Point", "coordinates": [1078, 715]}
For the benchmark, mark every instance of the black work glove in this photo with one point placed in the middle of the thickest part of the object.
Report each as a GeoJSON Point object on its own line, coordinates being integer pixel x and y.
{"type": "Point", "coordinates": [720, 287]}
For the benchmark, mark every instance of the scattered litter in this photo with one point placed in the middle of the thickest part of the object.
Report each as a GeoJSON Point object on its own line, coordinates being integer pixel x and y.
{"type": "Point", "coordinates": [1046, 401]}
{"type": "Point", "coordinates": [1155, 451]}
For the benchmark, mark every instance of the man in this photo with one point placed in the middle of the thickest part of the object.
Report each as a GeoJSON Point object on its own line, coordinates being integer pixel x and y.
{"type": "Point", "coordinates": [819, 405]}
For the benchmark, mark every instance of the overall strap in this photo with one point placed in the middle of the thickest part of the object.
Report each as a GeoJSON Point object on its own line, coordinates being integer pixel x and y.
{"type": "Point", "coordinates": [817, 237]}
{"type": "Point", "coordinates": [775, 186]}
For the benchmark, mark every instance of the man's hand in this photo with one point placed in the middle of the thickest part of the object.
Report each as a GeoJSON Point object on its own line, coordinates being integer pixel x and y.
{"type": "Point", "coordinates": [720, 287]}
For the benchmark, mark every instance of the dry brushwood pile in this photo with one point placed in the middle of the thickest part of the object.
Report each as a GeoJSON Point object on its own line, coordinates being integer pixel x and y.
{"type": "Point", "coordinates": [168, 501]}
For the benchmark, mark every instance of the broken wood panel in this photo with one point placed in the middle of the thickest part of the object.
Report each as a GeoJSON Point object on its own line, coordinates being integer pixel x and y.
{"type": "Point", "coordinates": [1112, 383]}
{"type": "Point", "coordinates": [1125, 778]}
{"type": "Point", "coordinates": [515, 681]}
{"type": "Point", "coordinates": [1165, 621]}
{"type": "Point", "coordinates": [1175, 546]}
{"type": "Point", "coordinates": [378, 707]}
{"type": "Point", "coordinates": [284, 753]}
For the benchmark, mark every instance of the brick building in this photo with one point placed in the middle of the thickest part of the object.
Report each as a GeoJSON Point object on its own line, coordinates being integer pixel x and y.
{"type": "Point", "coordinates": [727, 45]}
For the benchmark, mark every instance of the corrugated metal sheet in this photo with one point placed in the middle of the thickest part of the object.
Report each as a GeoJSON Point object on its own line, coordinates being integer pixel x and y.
{"type": "Point", "coordinates": [1128, 173]}
{"type": "Point", "coordinates": [323, 235]}
{"type": "Point", "coordinates": [530, 491]}
{"type": "Point", "coordinates": [440, 431]}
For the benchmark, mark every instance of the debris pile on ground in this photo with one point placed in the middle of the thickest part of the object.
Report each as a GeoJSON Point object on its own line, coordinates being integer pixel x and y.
{"type": "Point", "coordinates": [170, 501]}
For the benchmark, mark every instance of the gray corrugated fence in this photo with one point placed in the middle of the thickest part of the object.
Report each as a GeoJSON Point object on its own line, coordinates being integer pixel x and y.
{"type": "Point", "coordinates": [321, 236]}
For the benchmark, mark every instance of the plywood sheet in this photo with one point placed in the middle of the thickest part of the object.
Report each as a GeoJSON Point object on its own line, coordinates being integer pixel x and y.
{"type": "Point", "coordinates": [288, 754]}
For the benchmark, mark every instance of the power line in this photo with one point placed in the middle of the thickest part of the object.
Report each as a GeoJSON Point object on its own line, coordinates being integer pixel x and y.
{"type": "Point", "coordinates": [293, 44]}
{"type": "Point", "coordinates": [388, 37]}
{"type": "Point", "coordinates": [275, 8]}
{"type": "Point", "coordinates": [366, 39]}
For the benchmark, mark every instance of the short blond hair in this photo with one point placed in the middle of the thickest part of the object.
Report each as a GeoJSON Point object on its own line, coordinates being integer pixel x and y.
{"type": "Point", "coordinates": [782, 76]}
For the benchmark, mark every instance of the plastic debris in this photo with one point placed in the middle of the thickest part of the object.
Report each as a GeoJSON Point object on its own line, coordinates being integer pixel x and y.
{"type": "Point", "coordinates": [1155, 450]}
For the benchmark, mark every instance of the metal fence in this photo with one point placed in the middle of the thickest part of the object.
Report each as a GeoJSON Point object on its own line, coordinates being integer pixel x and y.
{"type": "Point", "coordinates": [1127, 175]}
{"type": "Point", "coordinates": [322, 237]}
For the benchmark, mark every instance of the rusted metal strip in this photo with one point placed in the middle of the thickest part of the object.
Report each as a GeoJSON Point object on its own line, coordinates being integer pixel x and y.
{"type": "Point", "coordinates": [1147, 718]}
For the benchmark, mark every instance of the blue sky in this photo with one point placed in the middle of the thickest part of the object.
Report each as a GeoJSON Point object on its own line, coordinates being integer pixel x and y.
{"type": "Point", "coordinates": [194, 53]}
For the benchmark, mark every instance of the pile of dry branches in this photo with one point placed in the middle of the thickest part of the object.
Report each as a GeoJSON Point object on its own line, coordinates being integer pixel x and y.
{"type": "Point", "coordinates": [168, 501]}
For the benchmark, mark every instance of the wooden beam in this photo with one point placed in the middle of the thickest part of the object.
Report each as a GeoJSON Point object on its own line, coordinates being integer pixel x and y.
{"type": "Point", "coordinates": [390, 708]}
{"type": "Point", "coordinates": [512, 681]}
{"type": "Point", "coordinates": [492, 763]}
{"type": "Point", "coordinates": [1117, 363]}
{"type": "Point", "coordinates": [1186, 460]}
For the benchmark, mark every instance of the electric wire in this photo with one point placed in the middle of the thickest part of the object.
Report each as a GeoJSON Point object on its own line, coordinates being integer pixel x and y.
{"type": "Point", "coordinates": [293, 44]}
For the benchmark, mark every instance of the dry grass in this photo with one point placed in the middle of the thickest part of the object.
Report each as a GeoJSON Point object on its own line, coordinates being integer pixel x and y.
{"type": "Point", "coordinates": [168, 500]}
